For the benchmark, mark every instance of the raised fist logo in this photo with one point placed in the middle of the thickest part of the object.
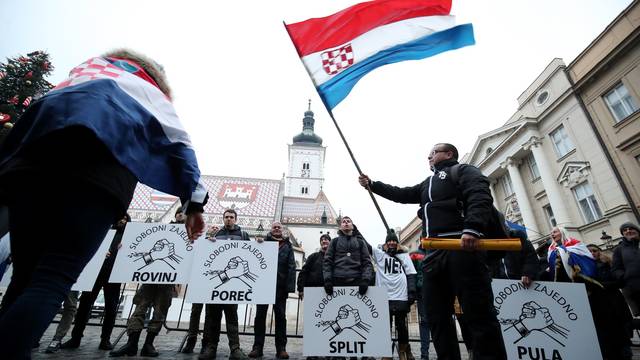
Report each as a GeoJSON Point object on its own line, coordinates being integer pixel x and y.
{"type": "Point", "coordinates": [534, 317]}
{"type": "Point", "coordinates": [163, 250]}
{"type": "Point", "coordinates": [236, 268]}
{"type": "Point", "coordinates": [348, 318]}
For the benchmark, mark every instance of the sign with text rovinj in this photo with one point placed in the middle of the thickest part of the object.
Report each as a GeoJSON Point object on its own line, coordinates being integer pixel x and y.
{"type": "Point", "coordinates": [153, 253]}
{"type": "Point", "coordinates": [549, 320]}
{"type": "Point", "coordinates": [346, 323]}
{"type": "Point", "coordinates": [89, 274]}
{"type": "Point", "coordinates": [234, 272]}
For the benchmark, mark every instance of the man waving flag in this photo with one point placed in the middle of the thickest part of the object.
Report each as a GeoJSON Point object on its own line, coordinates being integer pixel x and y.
{"type": "Point", "coordinates": [338, 50]}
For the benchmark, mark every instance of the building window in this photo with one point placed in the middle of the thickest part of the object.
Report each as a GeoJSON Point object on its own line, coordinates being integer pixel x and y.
{"type": "Point", "coordinates": [587, 202]}
{"type": "Point", "coordinates": [542, 98]}
{"type": "Point", "coordinates": [561, 142]}
{"type": "Point", "coordinates": [505, 181]}
{"type": "Point", "coordinates": [550, 217]}
{"type": "Point", "coordinates": [305, 166]}
{"type": "Point", "coordinates": [533, 167]}
{"type": "Point", "coordinates": [304, 190]}
{"type": "Point", "coordinates": [620, 102]}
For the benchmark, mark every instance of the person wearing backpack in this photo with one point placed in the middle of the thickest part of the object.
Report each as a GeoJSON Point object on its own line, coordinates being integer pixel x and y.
{"type": "Point", "coordinates": [460, 208]}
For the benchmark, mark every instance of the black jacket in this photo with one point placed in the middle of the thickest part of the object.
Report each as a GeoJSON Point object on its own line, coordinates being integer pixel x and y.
{"type": "Point", "coordinates": [311, 273]}
{"type": "Point", "coordinates": [625, 266]}
{"type": "Point", "coordinates": [347, 257]}
{"type": "Point", "coordinates": [286, 266]}
{"type": "Point", "coordinates": [516, 264]}
{"type": "Point", "coordinates": [234, 234]}
{"type": "Point", "coordinates": [445, 212]}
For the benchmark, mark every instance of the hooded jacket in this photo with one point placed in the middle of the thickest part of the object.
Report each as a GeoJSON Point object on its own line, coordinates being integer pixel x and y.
{"type": "Point", "coordinates": [311, 273]}
{"type": "Point", "coordinates": [347, 258]}
{"type": "Point", "coordinates": [286, 280]}
{"type": "Point", "coordinates": [625, 266]}
{"type": "Point", "coordinates": [445, 212]}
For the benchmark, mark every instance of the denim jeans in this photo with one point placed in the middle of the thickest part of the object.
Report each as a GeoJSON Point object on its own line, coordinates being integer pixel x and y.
{"type": "Point", "coordinates": [423, 327]}
{"type": "Point", "coordinates": [48, 253]}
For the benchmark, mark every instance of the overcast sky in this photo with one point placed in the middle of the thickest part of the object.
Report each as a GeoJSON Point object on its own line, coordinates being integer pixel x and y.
{"type": "Point", "coordinates": [241, 90]}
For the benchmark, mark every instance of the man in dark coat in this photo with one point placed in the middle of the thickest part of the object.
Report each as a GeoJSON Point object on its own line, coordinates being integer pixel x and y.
{"type": "Point", "coordinates": [518, 265]}
{"type": "Point", "coordinates": [285, 284]}
{"type": "Point", "coordinates": [347, 261]}
{"type": "Point", "coordinates": [625, 266]}
{"type": "Point", "coordinates": [311, 273]}
{"type": "Point", "coordinates": [454, 209]}
{"type": "Point", "coordinates": [213, 312]}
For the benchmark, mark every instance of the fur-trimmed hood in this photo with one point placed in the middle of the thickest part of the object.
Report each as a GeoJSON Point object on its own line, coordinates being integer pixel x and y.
{"type": "Point", "coordinates": [153, 69]}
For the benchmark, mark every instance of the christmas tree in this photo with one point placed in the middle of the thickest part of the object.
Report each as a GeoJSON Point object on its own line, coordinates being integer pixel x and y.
{"type": "Point", "coordinates": [21, 82]}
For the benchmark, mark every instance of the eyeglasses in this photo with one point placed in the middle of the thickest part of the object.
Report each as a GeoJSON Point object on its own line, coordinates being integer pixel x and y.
{"type": "Point", "coordinates": [433, 152]}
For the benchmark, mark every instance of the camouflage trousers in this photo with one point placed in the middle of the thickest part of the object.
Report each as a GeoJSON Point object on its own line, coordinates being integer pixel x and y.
{"type": "Point", "coordinates": [212, 325]}
{"type": "Point", "coordinates": [149, 296]}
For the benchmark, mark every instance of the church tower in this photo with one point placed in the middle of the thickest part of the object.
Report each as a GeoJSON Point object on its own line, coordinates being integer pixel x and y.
{"type": "Point", "coordinates": [306, 161]}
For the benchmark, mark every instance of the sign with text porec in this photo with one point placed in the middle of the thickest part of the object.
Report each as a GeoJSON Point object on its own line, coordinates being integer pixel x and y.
{"type": "Point", "coordinates": [234, 272]}
{"type": "Point", "coordinates": [153, 253]}
{"type": "Point", "coordinates": [548, 320]}
{"type": "Point", "coordinates": [346, 323]}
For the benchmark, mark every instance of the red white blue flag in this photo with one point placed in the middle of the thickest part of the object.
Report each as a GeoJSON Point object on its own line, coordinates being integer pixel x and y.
{"type": "Point", "coordinates": [338, 50]}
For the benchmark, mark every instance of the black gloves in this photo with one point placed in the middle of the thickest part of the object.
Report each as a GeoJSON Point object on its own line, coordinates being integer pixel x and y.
{"type": "Point", "coordinates": [328, 288]}
{"type": "Point", "coordinates": [362, 289]}
{"type": "Point", "coordinates": [411, 297]}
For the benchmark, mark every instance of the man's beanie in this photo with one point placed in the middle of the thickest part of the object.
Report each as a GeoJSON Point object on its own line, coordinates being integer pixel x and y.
{"type": "Point", "coordinates": [391, 236]}
{"type": "Point", "coordinates": [629, 225]}
{"type": "Point", "coordinates": [325, 236]}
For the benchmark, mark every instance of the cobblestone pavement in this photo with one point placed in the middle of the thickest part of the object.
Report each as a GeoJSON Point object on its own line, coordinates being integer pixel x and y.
{"type": "Point", "coordinates": [168, 344]}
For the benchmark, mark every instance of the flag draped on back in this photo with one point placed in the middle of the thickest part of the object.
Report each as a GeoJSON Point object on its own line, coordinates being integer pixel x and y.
{"type": "Point", "coordinates": [338, 50]}
{"type": "Point", "coordinates": [129, 114]}
{"type": "Point", "coordinates": [575, 256]}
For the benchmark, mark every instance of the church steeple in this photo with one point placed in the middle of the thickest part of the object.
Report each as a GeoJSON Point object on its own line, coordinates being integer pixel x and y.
{"type": "Point", "coordinates": [308, 136]}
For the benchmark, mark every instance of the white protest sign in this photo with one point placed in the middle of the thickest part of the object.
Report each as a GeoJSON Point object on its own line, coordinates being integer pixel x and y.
{"type": "Point", "coordinates": [234, 272]}
{"type": "Point", "coordinates": [6, 277]}
{"type": "Point", "coordinates": [89, 274]}
{"type": "Point", "coordinates": [346, 323]}
{"type": "Point", "coordinates": [153, 253]}
{"type": "Point", "coordinates": [549, 320]}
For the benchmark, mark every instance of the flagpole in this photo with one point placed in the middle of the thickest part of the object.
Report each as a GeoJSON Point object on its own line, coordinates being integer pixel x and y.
{"type": "Point", "coordinates": [344, 140]}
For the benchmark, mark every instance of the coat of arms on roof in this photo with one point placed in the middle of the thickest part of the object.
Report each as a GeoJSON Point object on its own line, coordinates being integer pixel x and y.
{"type": "Point", "coordinates": [237, 196]}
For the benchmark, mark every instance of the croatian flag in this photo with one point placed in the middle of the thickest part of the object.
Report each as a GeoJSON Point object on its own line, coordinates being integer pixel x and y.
{"type": "Point", "coordinates": [575, 256]}
{"type": "Point", "coordinates": [338, 50]}
{"type": "Point", "coordinates": [126, 110]}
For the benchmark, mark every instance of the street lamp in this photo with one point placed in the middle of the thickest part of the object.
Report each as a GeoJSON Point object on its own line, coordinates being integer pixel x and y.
{"type": "Point", "coordinates": [605, 238]}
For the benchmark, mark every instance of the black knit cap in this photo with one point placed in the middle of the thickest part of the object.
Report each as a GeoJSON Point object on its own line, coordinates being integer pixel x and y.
{"type": "Point", "coordinates": [391, 236]}
{"type": "Point", "coordinates": [629, 225]}
{"type": "Point", "coordinates": [325, 236]}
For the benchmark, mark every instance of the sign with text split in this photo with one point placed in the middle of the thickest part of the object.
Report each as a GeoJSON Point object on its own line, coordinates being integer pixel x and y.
{"type": "Point", "coordinates": [234, 272]}
{"type": "Point", "coordinates": [153, 253]}
{"type": "Point", "coordinates": [89, 274]}
{"type": "Point", "coordinates": [346, 323]}
{"type": "Point", "coordinates": [548, 320]}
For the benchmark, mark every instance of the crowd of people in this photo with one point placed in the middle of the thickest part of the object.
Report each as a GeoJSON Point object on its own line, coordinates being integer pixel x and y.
{"type": "Point", "coordinates": [87, 191]}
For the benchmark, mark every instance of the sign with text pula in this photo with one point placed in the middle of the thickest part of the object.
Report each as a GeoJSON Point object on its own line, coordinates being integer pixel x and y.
{"type": "Point", "coordinates": [548, 320]}
{"type": "Point", "coordinates": [153, 253]}
{"type": "Point", "coordinates": [233, 272]}
{"type": "Point", "coordinates": [346, 323]}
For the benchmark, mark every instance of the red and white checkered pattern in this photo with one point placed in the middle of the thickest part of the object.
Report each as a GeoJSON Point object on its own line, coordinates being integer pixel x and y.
{"type": "Point", "coordinates": [94, 68]}
{"type": "Point", "coordinates": [336, 60]}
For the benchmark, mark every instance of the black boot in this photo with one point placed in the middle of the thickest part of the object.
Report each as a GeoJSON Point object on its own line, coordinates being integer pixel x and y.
{"type": "Point", "coordinates": [147, 348]}
{"type": "Point", "coordinates": [72, 343]}
{"type": "Point", "coordinates": [189, 344]}
{"type": "Point", "coordinates": [105, 344]}
{"type": "Point", "coordinates": [130, 348]}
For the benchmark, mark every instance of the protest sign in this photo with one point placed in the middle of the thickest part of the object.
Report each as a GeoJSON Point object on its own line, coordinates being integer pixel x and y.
{"type": "Point", "coordinates": [548, 320]}
{"type": "Point", "coordinates": [153, 253]}
{"type": "Point", "coordinates": [346, 323]}
{"type": "Point", "coordinates": [234, 272]}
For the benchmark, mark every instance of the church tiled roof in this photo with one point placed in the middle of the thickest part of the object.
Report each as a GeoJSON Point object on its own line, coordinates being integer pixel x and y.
{"type": "Point", "coordinates": [298, 210]}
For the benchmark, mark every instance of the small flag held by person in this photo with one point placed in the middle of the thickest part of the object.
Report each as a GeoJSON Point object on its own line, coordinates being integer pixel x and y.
{"type": "Point", "coordinates": [338, 50]}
